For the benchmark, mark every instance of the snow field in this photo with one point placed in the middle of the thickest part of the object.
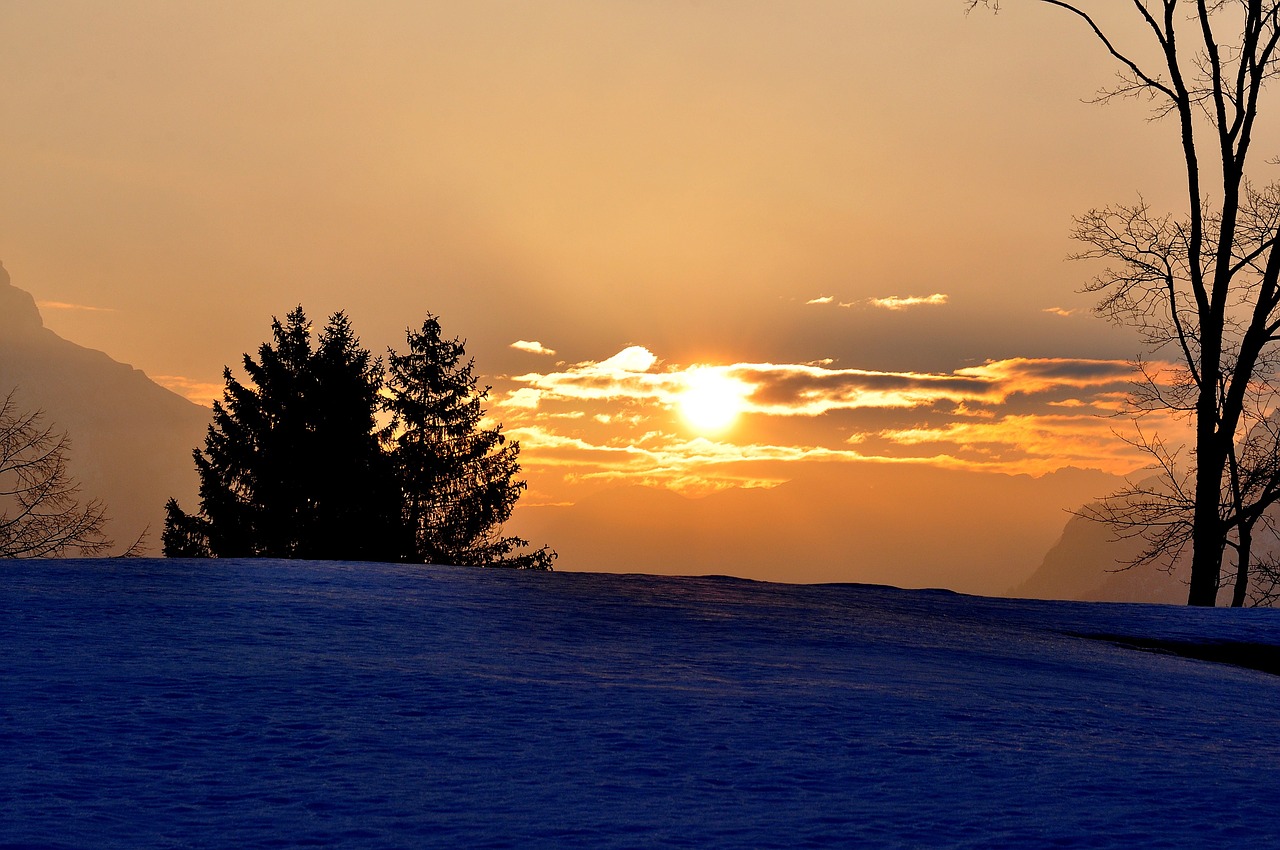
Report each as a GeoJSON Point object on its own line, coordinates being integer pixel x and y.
{"type": "Point", "coordinates": [152, 703]}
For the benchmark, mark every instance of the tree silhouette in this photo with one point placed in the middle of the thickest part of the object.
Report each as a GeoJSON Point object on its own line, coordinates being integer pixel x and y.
{"type": "Point", "coordinates": [456, 476]}
{"type": "Point", "coordinates": [1202, 285]}
{"type": "Point", "coordinates": [291, 466]}
{"type": "Point", "coordinates": [295, 465]}
{"type": "Point", "coordinates": [40, 510]}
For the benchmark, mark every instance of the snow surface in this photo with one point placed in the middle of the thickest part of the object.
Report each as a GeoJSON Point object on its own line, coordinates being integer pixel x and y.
{"type": "Point", "coordinates": [151, 703]}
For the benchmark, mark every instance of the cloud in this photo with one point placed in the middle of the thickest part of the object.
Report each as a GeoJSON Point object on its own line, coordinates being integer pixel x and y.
{"type": "Point", "coordinates": [894, 302]}
{"type": "Point", "coordinates": [524, 397]}
{"type": "Point", "coordinates": [1017, 444]}
{"type": "Point", "coordinates": [635, 358]}
{"type": "Point", "coordinates": [625, 375]}
{"type": "Point", "coordinates": [203, 393]}
{"type": "Point", "coordinates": [63, 305]}
{"type": "Point", "coordinates": [830, 299]}
{"type": "Point", "coordinates": [692, 466]}
{"type": "Point", "coordinates": [806, 389]}
{"type": "Point", "coordinates": [1017, 415]}
{"type": "Point", "coordinates": [533, 347]}
{"type": "Point", "coordinates": [1060, 311]}
{"type": "Point", "coordinates": [1032, 443]}
{"type": "Point", "coordinates": [1028, 375]}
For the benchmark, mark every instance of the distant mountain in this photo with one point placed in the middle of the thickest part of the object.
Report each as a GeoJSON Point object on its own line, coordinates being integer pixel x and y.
{"type": "Point", "coordinates": [131, 438]}
{"type": "Point", "coordinates": [901, 524]}
{"type": "Point", "coordinates": [1088, 563]}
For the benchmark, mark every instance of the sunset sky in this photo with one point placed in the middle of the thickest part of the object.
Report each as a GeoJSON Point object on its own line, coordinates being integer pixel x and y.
{"type": "Point", "coordinates": [690, 244]}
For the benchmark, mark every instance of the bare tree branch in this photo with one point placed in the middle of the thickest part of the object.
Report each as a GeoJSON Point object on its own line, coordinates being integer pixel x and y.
{"type": "Point", "coordinates": [1203, 284]}
{"type": "Point", "coordinates": [40, 511]}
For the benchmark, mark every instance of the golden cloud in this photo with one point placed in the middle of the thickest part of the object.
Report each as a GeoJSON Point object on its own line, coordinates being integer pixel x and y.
{"type": "Point", "coordinates": [824, 300]}
{"type": "Point", "coordinates": [532, 347]}
{"type": "Point", "coordinates": [693, 466]}
{"type": "Point", "coordinates": [1034, 443]}
{"type": "Point", "coordinates": [807, 389]}
{"type": "Point", "coordinates": [203, 393]}
{"type": "Point", "coordinates": [1027, 375]}
{"type": "Point", "coordinates": [64, 305]}
{"type": "Point", "coordinates": [894, 302]}
{"type": "Point", "coordinates": [1018, 415]}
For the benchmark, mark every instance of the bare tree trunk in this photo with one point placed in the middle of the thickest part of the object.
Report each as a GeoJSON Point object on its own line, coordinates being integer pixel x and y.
{"type": "Point", "coordinates": [1242, 566]}
{"type": "Point", "coordinates": [1206, 557]}
{"type": "Point", "coordinates": [1206, 539]}
{"type": "Point", "coordinates": [1206, 532]}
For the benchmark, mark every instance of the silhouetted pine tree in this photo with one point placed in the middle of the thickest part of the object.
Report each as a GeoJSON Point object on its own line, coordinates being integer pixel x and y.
{"type": "Point", "coordinates": [185, 535]}
{"type": "Point", "coordinates": [457, 478]}
{"type": "Point", "coordinates": [292, 466]}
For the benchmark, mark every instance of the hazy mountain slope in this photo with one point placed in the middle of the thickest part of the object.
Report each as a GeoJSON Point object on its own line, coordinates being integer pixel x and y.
{"type": "Point", "coordinates": [132, 439]}
{"type": "Point", "coordinates": [1088, 563]}
{"type": "Point", "coordinates": [905, 525]}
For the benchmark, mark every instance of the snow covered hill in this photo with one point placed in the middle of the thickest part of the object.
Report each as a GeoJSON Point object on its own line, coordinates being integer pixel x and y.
{"type": "Point", "coordinates": [151, 703]}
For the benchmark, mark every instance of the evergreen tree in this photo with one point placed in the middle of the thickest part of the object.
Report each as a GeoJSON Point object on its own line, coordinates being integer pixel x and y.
{"type": "Point", "coordinates": [457, 478]}
{"type": "Point", "coordinates": [292, 466]}
{"type": "Point", "coordinates": [185, 535]}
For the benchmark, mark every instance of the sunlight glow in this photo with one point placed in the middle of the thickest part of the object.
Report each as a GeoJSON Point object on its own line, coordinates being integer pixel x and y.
{"type": "Point", "coordinates": [712, 401]}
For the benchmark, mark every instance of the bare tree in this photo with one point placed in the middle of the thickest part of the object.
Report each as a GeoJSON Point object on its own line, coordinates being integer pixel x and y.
{"type": "Point", "coordinates": [1159, 511]}
{"type": "Point", "coordinates": [1202, 285]}
{"type": "Point", "coordinates": [41, 514]}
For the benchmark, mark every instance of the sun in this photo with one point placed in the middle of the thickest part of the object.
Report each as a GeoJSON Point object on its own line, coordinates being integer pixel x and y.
{"type": "Point", "coordinates": [711, 401]}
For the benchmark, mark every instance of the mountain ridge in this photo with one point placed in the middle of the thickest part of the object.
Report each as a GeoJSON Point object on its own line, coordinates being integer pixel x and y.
{"type": "Point", "coordinates": [131, 439]}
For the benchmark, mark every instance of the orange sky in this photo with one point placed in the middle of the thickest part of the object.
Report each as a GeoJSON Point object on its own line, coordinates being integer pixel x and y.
{"type": "Point", "coordinates": [855, 214]}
